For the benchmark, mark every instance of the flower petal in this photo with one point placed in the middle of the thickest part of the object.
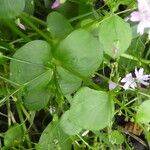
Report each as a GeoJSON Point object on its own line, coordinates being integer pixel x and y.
{"type": "Point", "coordinates": [149, 34]}
{"type": "Point", "coordinates": [141, 70]}
{"type": "Point", "coordinates": [126, 85]}
{"type": "Point", "coordinates": [133, 85]}
{"type": "Point", "coordinates": [144, 83]}
{"type": "Point", "coordinates": [55, 4]}
{"type": "Point", "coordinates": [140, 28]}
{"type": "Point", "coordinates": [135, 16]}
{"type": "Point", "coordinates": [112, 85]}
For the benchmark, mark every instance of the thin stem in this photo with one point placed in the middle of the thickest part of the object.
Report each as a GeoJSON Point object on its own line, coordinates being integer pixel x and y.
{"type": "Point", "coordinates": [136, 59]}
{"type": "Point", "coordinates": [17, 31]}
{"type": "Point", "coordinates": [27, 21]}
{"type": "Point", "coordinates": [20, 88]}
{"type": "Point", "coordinates": [124, 107]}
{"type": "Point", "coordinates": [24, 61]}
{"type": "Point", "coordinates": [21, 39]}
{"type": "Point", "coordinates": [41, 22]}
{"type": "Point", "coordinates": [18, 105]}
{"type": "Point", "coordinates": [9, 81]}
{"type": "Point", "coordinates": [85, 79]}
{"type": "Point", "coordinates": [84, 141]}
{"type": "Point", "coordinates": [25, 112]}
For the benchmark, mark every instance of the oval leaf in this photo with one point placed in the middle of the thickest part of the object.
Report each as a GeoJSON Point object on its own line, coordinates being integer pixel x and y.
{"type": "Point", "coordinates": [68, 83]}
{"type": "Point", "coordinates": [53, 138]}
{"type": "Point", "coordinates": [80, 51]}
{"type": "Point", "coordinates": [67, 126]}
{"type": "Point", "coordinates": [33, 56]}
{"type": "Point", "coordinates": [115, 36]}
{"type": "Point", "coordinates": [143, 113]}
{"type": "Point", "coordinates": [13, 136]}
{"type": "Point", "coordinates": [11, 8]}
{"type": "Point", "coordinates": [58, 25]}
{"type": "Point", "coordinates": [91, 109]}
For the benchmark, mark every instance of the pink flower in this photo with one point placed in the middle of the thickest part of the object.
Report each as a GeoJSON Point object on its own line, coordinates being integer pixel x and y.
{"type": "Point", "coordinates": [141, 78]}
{"type": "Point", "coordinates": [56, 4]}
{"type": "Point", "coordinates": [129, 81]}
{"type": "Point", "coordinates": [112, 85]}
{"type": "Point", "coordinates": [142, 16]}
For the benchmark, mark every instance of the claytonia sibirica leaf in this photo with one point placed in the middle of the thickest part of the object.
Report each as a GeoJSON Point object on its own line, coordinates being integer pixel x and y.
{"type": "Point", "coordinates": [141, 78]}
{"type": "Point", "coordinates": [129, 81]}
{"type": "Point", "coordinates": [142, 16]}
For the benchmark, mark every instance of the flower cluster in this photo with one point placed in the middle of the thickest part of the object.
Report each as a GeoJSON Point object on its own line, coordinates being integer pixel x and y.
{"type": "Point", "coordinates": [133, 82]}
{"type": "Point", "coordinates": [142, 16]}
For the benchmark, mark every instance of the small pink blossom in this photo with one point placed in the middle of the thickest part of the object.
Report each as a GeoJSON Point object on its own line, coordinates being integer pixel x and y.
{"type": "Point", "coordinates": [141, 78]}
{"type": "Point", "coordinates": [129, 81]}
{"type": "Point", "coordinates": [142, 16]}
{"type": "Point", "coordinates": [56, 4]}
{"type": "Point", "coordinates": [112, 85]}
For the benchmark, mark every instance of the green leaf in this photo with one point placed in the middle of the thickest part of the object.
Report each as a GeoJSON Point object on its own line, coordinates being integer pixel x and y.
{"type": "Point", "coordinates": [54, 138]}
{"type": "Point", "coordinates": [68, 83]}
{"type": "Point", "coordinates": [29, 6]}
{"type": "Point", "coordinates": [67, 126]}
{"type": "Point", "coordinates": [143, 113]}
{"type": "Point", "coordinates": [33, 57]}
{"type": "Point", "coordinates": [13, 136]}
{"type": "Point", "coordinates": [91, 109]}
{"type": "Point", "coordinates": [31, 69]}
{"type": "Point", "coordinates": [115, 36]}
{"type": "Point", "coordinates": [37, 99]}
{"type": "Point", "coordinates": [136, 49]}
{"type": "Point", "coordinates": [11, 8]}
{"type": "Point", "coordinates": [116, 137]}
{"type": "Point", "coordinates": [80, 51]}
{"type": "Point", "coordinates": [58, 25]}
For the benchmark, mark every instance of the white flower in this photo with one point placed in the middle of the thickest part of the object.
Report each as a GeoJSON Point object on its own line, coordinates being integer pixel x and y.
{"type": "Point", "coordinates": [52, 110]}
{"type": "Point", "coordinates": [21, 26]}
{"type": "Point", "coordinates": [129, 81]}
{"type": "Point", "coordinates": [85, 133]}
{"type": "Point", "coordinates": [141, 78]}
{"type": "Point", "coordinates": [142, 16]}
